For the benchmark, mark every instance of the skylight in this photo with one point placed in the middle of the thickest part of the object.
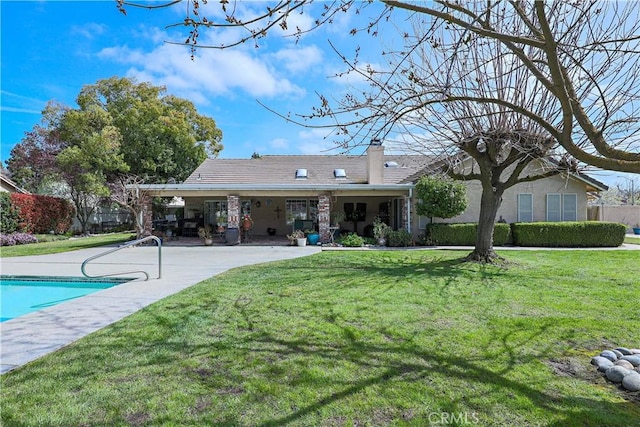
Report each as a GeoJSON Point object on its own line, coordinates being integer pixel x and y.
{"type": "Point", "coordinates": [301, 174]}
{"type": "Point", "coordinates": [339, 173]}
{"type": "Point", "coordinates": [391, 164]}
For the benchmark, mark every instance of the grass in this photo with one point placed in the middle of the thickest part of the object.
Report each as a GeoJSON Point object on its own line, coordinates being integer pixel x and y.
{"type": "Point", "coordinates": [57, 246]}
{"type": "Point", "coordinates": [355, 338]}
{"type": "Point", "coordinates": [633, 240]}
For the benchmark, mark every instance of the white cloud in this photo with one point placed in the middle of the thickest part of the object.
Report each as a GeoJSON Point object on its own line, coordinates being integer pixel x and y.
{"type": "Point", "coordinates": [279, 144]}
{"type": "Point", "coordinates": [297, 60]}
{"type": "Point", "coordinates": [213, 72]}
{"type": "Point", "coordinates": [89, 30]}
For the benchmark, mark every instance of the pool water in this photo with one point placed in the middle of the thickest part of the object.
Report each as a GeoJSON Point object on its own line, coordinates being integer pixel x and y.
{"type": "Point", "coordinates": [20, 295]}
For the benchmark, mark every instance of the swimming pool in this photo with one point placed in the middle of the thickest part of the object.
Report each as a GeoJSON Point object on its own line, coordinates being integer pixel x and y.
{"type": "Point", "coordinates": [20, 295]}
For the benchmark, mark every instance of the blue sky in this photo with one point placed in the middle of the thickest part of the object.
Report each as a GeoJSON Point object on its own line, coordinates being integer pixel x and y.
{"type": "Point", "coordinates": [50, 49]}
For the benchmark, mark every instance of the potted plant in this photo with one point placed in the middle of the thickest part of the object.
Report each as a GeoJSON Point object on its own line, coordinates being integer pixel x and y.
{"type": "Point", "coordinates": [338, 217]}
{"type": "Point", "coordinates": [247, 222]}
{"type": "Point", "coordinates": [298, 237]}
{"type": "Point", "coordinates": [380, 231]}
{"type": "Point", "coordinates": [636, 229]}
{"type": "Point", "coordinates": [313, 237]}
{"type": "Point", "coordinates": [221, 218]}
{"type": "Point", "coordinates": [205, 234]}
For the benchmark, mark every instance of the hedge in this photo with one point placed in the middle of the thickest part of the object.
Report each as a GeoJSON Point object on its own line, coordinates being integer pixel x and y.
{"type": "Point", "coordinates": [568, 234]}
{"type": "Point", "coordinates": [9, 215]}
{"type": "Point", "coordinates": [463, 234]}
{"type": "Point", "coordinates": [42, 214]}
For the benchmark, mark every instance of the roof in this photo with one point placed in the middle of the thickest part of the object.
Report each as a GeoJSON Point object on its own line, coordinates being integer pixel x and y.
{"type": "Point", "coordinates": [11, 186]}
{"type": "Point", "coordinates": [281, 170]}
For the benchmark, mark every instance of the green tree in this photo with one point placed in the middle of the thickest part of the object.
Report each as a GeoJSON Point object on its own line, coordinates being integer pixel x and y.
{"type": "Point", "coordinates": [440, 197]}
{"type": "Point", "coordinates": [163, 136]}
{"type": "Point", "coordinates": [93, 153]}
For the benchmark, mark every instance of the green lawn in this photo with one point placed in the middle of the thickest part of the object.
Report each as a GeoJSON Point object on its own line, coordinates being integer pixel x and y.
{"type": "Point", "coordinates": [634, 240]}
{"type": "Point", "coordinates": [356, 338]}
{"type": "Point", "coordinates": [58, 246]}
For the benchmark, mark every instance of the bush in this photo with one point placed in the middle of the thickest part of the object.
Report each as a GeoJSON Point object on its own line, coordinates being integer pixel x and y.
{"type": "Point", "coordinates": [352, 240]}
{"type": "Point", "coordinates": [399, 238]}
{"type": "Point", "coordinates": [42, 214]}
{"type": "Point", "coordinates": [463, 234]}
{"type": "Point", "coordinates": [578, 234]}
{"type": "Point", "coordinates": [9, 215]}
{"type": "Point", "coordinates": [17, 239]}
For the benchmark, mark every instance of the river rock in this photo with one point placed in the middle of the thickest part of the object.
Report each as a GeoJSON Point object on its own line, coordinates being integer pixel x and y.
{"type": "Point", "coordinates": [609, 355]}
{"type": "Point", "coordinates": [635, 359]}
{"type": "Point", "coordinates": [635, 350]}
{"type": "Point", "coordinates": [624, 351]}
{"type": "Point", "coordinates": [617, 353]}
{"type": "Point", "coordinates": [616, 373]}
{"type": "Point", "coordinates": [602, 363]}
{"type": "Point", "coordinates": [631, 381]}
{"type": "Point", "coordinates": [624, 363]}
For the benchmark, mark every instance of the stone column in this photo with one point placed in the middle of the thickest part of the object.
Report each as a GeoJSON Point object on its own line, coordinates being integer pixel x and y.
{"type": "Point", "coordinates": [233, 214]}
{"type": "Point", "coordinates": [405, 213]}
{"type": "Point", "coordinates": [147, 217]}
{"type": "Point", "coordinates": [324, 217]}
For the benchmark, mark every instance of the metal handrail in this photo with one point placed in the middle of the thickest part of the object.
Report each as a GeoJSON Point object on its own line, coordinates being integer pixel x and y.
{"type": "Point", "coordinates": [126, 245]}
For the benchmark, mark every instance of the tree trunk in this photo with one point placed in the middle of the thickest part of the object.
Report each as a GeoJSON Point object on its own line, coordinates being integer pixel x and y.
{"type": "Point", "coordinates": [491, 201]}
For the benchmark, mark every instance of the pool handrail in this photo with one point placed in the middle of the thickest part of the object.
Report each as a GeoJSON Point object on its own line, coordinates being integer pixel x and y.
{"type": "Point", "coordinates": [126, 245]}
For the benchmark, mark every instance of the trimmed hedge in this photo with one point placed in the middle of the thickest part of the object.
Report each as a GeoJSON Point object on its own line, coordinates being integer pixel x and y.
{"type": "Point", "coordinates": [42, 214]}
{"type": "Point", "coordinates": [463, 234]}
{"type": "Point", "coordinates": [9, 215]}
{"type": "Point", "coordinates": [577, 234]}
{"type": "Point", "coordinates": [399, 238]}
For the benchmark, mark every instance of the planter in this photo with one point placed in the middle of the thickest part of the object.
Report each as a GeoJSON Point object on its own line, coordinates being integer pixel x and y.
{"type": "Point", "coordinates": [636, 230]}
{"type": "Point", "coordinates": [208, 242]}
{"type": "Point", "coordinates": [302, 241]}
{"type": "Point", "coordinates": [313, 238]}
{"type": "Point", "coordinates": [382, 241]}
{"type": "Point", "coordinates": [232, 236]}
{"type": "Point", "coordinates": [246, 225]}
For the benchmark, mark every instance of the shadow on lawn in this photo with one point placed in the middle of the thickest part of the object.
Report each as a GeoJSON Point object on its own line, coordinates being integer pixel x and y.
{"type": "Point", "coordinates": [420, 366]}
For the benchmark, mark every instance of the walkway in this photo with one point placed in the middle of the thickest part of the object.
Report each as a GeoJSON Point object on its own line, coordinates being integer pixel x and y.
{"type": "Point", "coordinates": [33, 335]}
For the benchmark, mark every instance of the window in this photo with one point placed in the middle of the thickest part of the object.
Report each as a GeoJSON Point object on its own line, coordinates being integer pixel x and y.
{"type": "Point", "coordinates": [339, 173]}
{"type": "Point", "coordinates": [301, 209]}
{"type": "Point", "coordinates": [562, 207]}
{"type": "Point", "coordinates": [554, 207]}
{"type": "Point", "coordinates": [301, 174]}
{"type": "Point", "coordinates": [525, 207]}
{"type": "Point", "coordinates": [569, 207]}
{"type": "Point", "coordinates": [215, 212]}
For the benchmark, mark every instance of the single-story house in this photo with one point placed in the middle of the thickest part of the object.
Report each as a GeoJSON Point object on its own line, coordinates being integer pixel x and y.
{"type": "Point", "coordinates": [282, 193]}
{"type": "Point", "coordinates": [8, 186]}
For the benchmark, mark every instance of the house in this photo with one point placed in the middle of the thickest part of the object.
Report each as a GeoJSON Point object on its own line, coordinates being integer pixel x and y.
{"type": "Point", "coordinates": [8, 186]}
{"type": "Point", "coordinates": [282, 193]}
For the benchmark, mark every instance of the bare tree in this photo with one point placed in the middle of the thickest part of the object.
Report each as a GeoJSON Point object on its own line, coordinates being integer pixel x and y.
{"type": "Point", "coordinates": [127, 192]}
{"type": "Point", "coordinates": [584, 55]}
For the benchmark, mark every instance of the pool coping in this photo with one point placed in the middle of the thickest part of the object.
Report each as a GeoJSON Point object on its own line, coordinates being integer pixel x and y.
{"type": "Point", "coordinates": [31, 336]}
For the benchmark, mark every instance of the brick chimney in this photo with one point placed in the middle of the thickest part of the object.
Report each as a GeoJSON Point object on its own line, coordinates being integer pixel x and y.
{"type": "Point", "coordinates": [375, 162]}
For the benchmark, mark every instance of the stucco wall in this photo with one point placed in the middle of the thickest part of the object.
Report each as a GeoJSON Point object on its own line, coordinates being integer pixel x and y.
{"type": "Point", "coordinates": [509, 208]}
{"type": "Point", "coordinates": [625, 214]}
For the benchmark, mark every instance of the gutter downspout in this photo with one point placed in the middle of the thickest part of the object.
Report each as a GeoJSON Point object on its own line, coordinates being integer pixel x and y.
{"type": "Point", "coordinates": [409, 210]}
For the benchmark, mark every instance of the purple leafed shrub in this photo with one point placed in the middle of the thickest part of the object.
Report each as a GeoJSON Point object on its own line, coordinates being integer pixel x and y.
{"type": "Point", "coordinates": [17, 239]}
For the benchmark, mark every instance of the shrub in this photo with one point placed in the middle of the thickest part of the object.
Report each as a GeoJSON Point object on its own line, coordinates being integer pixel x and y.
{"type": "Point", "coordinates": [17, 239]}
{"type": "Point", "coordinates": [568, 234]}
{"type": "Point", "coordinates": [352, 240]}
{"type": "Point", "coordinates": [9, 215]}
{"type": "Point", "coordinates": [463, 234]}
{"type": "Point", "coordinates": [398, 238]}
{"type": "Point", "coordinates": [42, 214]}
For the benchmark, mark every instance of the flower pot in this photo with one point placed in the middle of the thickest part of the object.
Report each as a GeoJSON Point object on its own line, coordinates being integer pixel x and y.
{"type": "Point", "coordinates": [636, 230]}
{"type": "Point", "coordinates": [382, 241]}
{"type": "Point", "coordinates": [313, 238]}
{"type": "Point", "coordinates": [246, 225]}
{"type": "Point", "coordinates": [208, 242]}
{"type": "Point", "coordinates": [302, 241]}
